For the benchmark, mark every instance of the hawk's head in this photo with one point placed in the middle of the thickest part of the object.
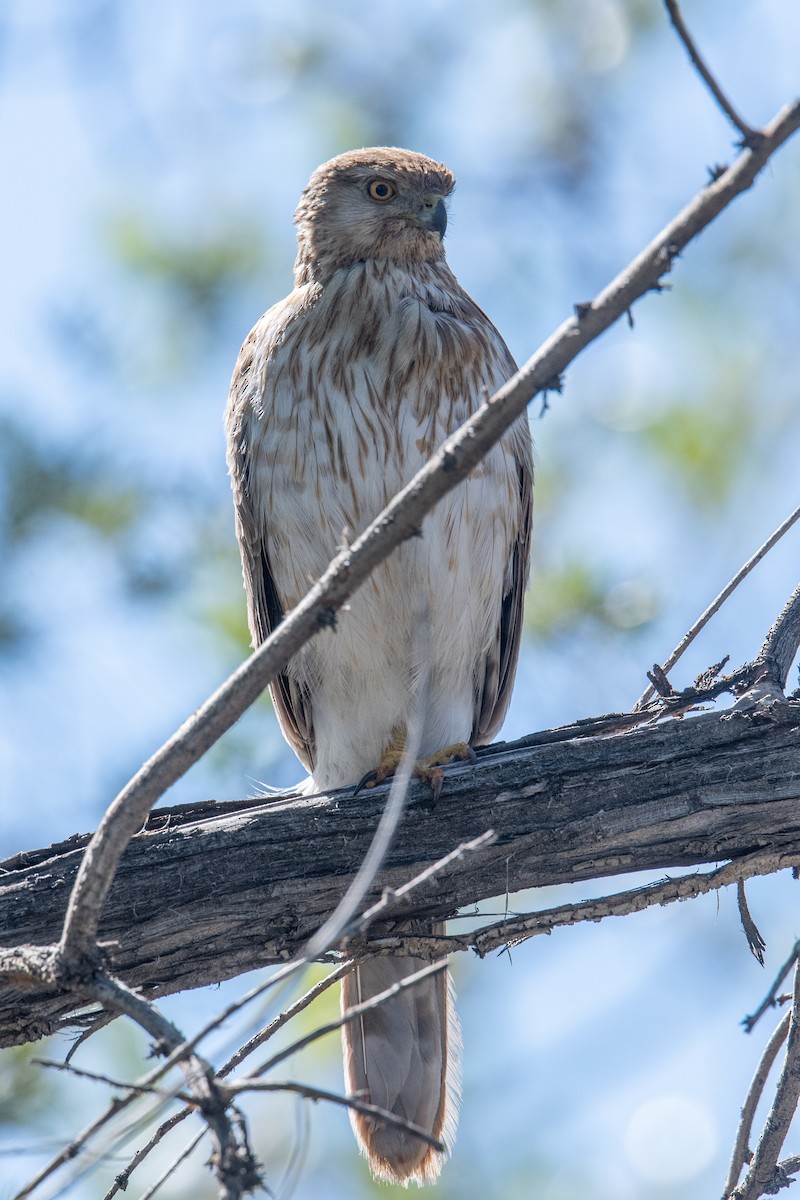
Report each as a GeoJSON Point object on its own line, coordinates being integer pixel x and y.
{"type": "Point", "coordinates": [380, 203]}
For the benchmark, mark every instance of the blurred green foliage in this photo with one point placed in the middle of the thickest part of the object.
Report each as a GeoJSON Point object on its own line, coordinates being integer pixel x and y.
{"type": "Point", "coordinates": [43, 482]}
{"type": "Point", "coordinates": [25, 1089]}
{"type": "Point", "coordinates": [199, 267]}
{"type": "Point", "coordinates": [704, 445]}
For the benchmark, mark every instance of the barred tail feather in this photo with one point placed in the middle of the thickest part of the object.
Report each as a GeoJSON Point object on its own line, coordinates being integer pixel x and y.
{"type": "Point", "coordinates": [403, 1056]}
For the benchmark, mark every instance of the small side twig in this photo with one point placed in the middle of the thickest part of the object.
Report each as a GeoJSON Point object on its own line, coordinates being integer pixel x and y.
{"type": "Point", "coordinates": [783, 640]}
{"type": "Point", "coordinates": [751, 931]}
{"type": "Point", "coordinates": [749, 136]}
{"type": "Point", "coordinates": [760, 1178]}
{"type": "Point", "coordinates": [391, 898]}
{"type": "Point", "coordinates": [409, 981]}
{"type": "Point", "coordinates": [717, 603]}
{"type": "Point", "coordinates": [741, 1148]}
{"type": "Point", "coordinates": [771, 998]}
{"type": "Point", "coordinates": [512, 931]}
{"type": "Point", "coordinates": [123, 1085]}
{"type": "Point", "coordinates": [352, 1102]}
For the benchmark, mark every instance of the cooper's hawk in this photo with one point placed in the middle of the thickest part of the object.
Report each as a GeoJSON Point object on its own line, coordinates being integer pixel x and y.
{"type": "Point", "coordinates": [341, 393]}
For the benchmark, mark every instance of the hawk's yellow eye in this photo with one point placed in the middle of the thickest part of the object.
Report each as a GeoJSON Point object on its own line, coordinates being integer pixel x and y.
{"type": "Point", "coordinates": [382, 191]}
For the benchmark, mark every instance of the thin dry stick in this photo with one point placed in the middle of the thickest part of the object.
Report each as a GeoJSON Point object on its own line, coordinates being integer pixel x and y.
{"type": "Point", "coordinates": [109, 1081]}
{"type": "Point", "coordinates": [761, 1173]}
{"type": "Point", "coordinates": [392, 897]}
{"type": "Point", "coordinates": [380, 909]}
{"type": "Point", "coordinates": [771, 998]}
{"type": "Point", "coordinates": [315, 1093]}
{"type": "Point", "coordinates": [514, 930]}
{"type": "Point", "coordinates": [750, 136]}
{"type": "Point", "coordinates": [741, 1148]}
{"type": "Point", "coordinates": [122, 1179]}
{"type": "Point", "coordinates": [173, 1166]}
{"type": "Point", "coordinates": [717, 603]}
{"type": "Point", "coordinates": [351, 1014]}
{"type": "Point", "coordinates": [400, 520]}
{"type": "Point", "coordinates": [284, 1017]}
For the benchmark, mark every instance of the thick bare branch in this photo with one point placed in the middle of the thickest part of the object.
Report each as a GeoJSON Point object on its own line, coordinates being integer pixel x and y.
{"type": "Point", "coordinates": [566, 805]}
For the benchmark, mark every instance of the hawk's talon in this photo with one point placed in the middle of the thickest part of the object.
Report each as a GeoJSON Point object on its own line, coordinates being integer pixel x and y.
{"type": "Point", "coordinates": [370, 780]}
{"type": "Point", "coordinates": [428, 769]}
{"type": "Point", "coordinates": [434, 777]}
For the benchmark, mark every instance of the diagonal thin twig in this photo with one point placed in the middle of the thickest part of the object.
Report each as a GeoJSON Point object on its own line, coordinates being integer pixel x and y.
{"type": "Point", "coordinates": [352, 1102]}
{"type": "Point", "coordinates": [741, 1148]}
{"type": "Point", "coordinates": [356, 1010]}
{"type": "Point", "coordinates": [394, 896]}
{"type": "Point", "coordinates": [512, 931]}
{"type": "Point", "coordinates": [717, 603]}
{"type": "Point", "coordinates": [169, 1171]}
{"type": "Point", "coordinates": [750, 136]}
{"type": "Point", "coordinates": [771, 998]}
{"type": "Point", "coordinates": [760, 1177]}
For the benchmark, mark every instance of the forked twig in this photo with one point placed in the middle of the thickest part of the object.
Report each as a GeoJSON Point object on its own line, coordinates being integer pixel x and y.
{"type": "Point", "coordinates": [750, 136]}
{"type": "Point", "coordinates": [315, 1093]}
{"type": "Point", "coordinates": [741, 1148]}
{"type": "Point", "coordinates": [717, 603]}
{"type": "Point", "coordinates": [760, 1178]}
{"type": "Point", "coordinates": [771, 998]}
{"type": "Point", "coordinates": [356, 1010]}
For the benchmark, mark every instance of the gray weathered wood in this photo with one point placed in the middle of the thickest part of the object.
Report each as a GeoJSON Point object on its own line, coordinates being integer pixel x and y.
{"type": "Point", "coordinates": [212, 890]}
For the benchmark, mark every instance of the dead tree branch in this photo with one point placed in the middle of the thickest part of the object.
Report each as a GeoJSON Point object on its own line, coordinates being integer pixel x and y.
{"type": "Point", "coordinates": [570, 805]}
{"type": "Point", "coordinates": [765, 1176]}
{"type": "Point", "coordinates": [741, 1149]}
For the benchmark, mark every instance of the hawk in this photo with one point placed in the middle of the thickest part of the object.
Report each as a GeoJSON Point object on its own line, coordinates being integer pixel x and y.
{"type": "Point", "coordinates": [341, 393]}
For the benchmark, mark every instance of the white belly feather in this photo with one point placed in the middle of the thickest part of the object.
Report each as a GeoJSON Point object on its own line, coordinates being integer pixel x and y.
{"type": "Point", "coordinates": [372, 424]}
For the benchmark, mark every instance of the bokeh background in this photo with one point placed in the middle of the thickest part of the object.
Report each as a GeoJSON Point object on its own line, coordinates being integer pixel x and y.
{"type": "Point", "coordinates": [151, 158]}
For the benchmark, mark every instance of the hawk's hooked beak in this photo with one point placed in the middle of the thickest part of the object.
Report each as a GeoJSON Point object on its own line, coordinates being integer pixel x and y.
{"type": "Point", "coordinates": [434, 214]}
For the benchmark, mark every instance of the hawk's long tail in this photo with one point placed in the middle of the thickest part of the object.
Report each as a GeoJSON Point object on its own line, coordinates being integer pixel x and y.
{"type": "Point", "coordinates": [403, 1056]}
